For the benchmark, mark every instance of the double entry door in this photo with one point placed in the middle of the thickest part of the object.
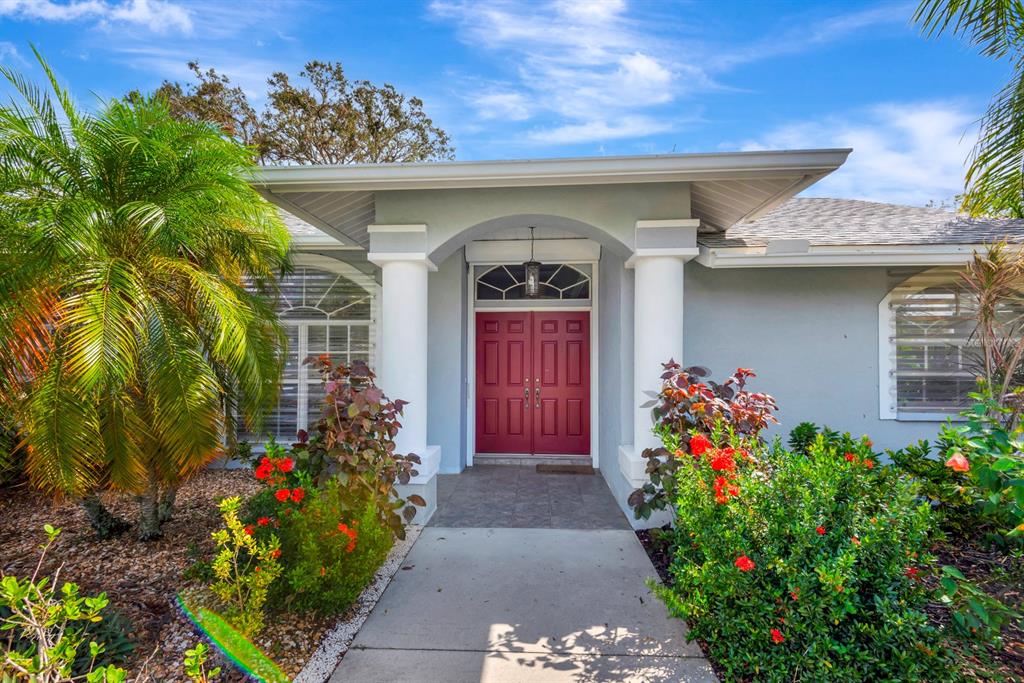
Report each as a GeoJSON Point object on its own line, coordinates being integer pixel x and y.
{"type": "Point", "coordinates": [533, 382]}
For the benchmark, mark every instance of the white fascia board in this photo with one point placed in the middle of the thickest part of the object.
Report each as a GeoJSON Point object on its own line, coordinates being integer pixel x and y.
{"type": "Point", "coordinates": [896, 255]}
{"type": "Point", "coordinates": [545, 172]}
{"type": "Point", "coordinates": [300, 242]}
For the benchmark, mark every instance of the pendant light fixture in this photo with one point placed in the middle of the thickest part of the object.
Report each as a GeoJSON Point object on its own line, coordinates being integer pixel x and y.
{"type": "Point", "coordinates": [532, 273]}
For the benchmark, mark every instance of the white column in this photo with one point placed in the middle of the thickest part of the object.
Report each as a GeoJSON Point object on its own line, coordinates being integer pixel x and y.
{"type": "Point", "coordinates": [657, 334]}
{"type": "Point", "coordinates": [403, 352]}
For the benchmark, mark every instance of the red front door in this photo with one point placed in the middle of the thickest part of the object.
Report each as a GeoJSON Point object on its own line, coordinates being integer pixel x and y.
{"type": "Point", "coordinates": [533, 383]}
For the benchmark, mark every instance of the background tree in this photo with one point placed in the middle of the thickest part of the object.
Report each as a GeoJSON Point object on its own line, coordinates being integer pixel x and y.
{"type": "Point", "coordinates": [126, 241]}
{"type": "Point", "coordinates": [995, 174]}
{"type": "Point", "coordinates": [325, 120]}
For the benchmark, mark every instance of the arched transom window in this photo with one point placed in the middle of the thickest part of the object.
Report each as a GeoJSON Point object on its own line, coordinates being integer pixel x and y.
{"type": "Point", "coordinates": [559, 281]}
{"type": "Point", "coordinates": [323, 312]}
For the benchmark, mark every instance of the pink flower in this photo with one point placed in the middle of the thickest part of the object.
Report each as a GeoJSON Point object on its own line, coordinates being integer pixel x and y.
{"type": "Point", "coordinates": [958, 462]}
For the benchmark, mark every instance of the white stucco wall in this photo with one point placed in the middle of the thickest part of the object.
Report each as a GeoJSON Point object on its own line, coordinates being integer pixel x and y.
{"type": "Point", "coordinates": [446, 378]}
{"type": "Point", "coordinates": [810, 334]}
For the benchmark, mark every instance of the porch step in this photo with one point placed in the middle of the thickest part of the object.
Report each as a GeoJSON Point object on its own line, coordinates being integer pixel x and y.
{"type": "Point", "coordinates": [530, 460]}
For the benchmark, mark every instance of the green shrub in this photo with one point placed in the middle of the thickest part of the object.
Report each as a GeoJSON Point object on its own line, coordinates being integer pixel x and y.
{"type": "Point", "coordinates": [331, 550]}
{"type": "Point", "coordinates": [799, 566]}
{"type": "Point", "coordinates": [50, 632]}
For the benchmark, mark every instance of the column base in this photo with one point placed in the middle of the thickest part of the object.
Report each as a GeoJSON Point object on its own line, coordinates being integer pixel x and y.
{"type": "Point", "coordinates": [634, 470]}
{"type": "Point", "coordinates": [424, 484]}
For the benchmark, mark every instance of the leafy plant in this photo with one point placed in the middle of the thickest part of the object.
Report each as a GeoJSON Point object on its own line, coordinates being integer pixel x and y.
{"type": "Point", "coordinates": [195, 665]}
{"type": "Point", "coordinates": [991, 457]}
{"type": "Point", "coordinates": [685, 411]}
{"type": "Point", "coordinates": [47, 628]}
{"type": "Point", "coordinates": [801, 566]}
{"type": "Point", "coordinates": [127, 241]}
{"type": "Point", "coordinates": [357, 432]}
{"type": "Point", "coordinates": [950, 491]}
{"type": "Point", "coordinates": [976, 614]}
{"type": "Point", "coordinates": [331, 550]}
{"type": "Point", "coordinates": [244, 569]}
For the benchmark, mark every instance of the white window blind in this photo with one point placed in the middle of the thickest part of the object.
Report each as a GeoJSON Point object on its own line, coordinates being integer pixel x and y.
{"type": "Point", "coordinates": [323, 313]}
{"type": "Point", "coordinates": [933, 355]}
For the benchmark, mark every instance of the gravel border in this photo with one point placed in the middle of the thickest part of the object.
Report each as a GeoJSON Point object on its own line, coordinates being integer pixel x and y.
{"type": "Point", "coordinates": [336, 641]}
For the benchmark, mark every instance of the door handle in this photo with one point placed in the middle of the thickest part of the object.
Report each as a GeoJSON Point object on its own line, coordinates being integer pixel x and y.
{"type": "Point", "coordinates": [536, 391]}
{"type": "Point", "coordinates": [526, 395]}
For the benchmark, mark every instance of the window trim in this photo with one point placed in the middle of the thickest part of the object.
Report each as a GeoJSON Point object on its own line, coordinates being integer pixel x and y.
{"type": "Point", "coordinates": [887, 397]}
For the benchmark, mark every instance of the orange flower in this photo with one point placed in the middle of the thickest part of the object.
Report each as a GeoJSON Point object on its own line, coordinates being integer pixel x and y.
{"type": "Point", "coordinates": [868, 463]}
{"type": "Point", "coordinates": [958, 462]}
{"type": "Point", "coordinates": [276, 554]}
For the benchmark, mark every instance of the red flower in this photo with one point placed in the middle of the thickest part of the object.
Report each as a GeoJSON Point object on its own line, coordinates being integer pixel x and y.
{"type": "Point", "coordinates": [856, 541]}
{"type": "Point", "coordinates": [276, 554]}
{"type": "Point", "coordinates": [777, 636]}
{"type": "Point", "coordinates": [868, 463]}
{"type": "Point", "coordinates": [262, 472]}
{"type": "Point", "coordinates": [263, 521]}
{"type": "Point", "coordinates": [698, 444]}
{"type": "Point", "coordinates": [248, 529]}
{"type": "Point", "coordinates": [298, 494]}
{"type": "Point", "coordinates": [265, 462]}
{"type": "Point", "coordinates": [286, 465]}
{"type": "Point", "coordinates": [352, 535]}
{"type": "Point", "coordinates": [744, 563]}
{"type": "Point", "coordinates": [723, 462]}
{"type": "Point", "coordinates": [820, 530]}
{"type": "Point", "coordinates": [282, 495]}
{"type": "Point", "coordinates": [911, 572]}
{"type": "Point", "coordinates": [850, 457]}
{"type": "Point", "coordinates": [795, 594]}
{"type": "Point", "coordinates": [958, 462]}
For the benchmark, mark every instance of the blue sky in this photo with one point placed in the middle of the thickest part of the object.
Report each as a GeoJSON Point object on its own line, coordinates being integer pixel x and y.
{"type": "Point", "coordinates": [573, 78]}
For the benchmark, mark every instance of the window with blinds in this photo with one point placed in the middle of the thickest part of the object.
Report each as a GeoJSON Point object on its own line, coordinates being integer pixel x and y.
{"type": "Point", "coordinates": [323, 313]}
{"type": "Point", "coordinates": [932, 354]}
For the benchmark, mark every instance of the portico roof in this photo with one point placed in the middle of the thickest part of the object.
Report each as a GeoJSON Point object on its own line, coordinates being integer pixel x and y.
{"type": "Point", "coordinates": [725, 188]}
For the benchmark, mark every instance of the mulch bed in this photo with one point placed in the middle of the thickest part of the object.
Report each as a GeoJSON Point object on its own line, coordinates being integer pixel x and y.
{"type": "Point", "coordinates": [142, 579]}
{"type": "Point", "coordinates": [998, 573]}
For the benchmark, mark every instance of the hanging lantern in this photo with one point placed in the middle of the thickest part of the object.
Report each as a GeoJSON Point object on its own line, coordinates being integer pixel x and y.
{"type": "Point", "coordinates": [532, 273]}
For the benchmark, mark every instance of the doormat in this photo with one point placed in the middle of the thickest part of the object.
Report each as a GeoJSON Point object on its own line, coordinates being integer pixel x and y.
{"type": "Point", "coordinates": [565, 469]}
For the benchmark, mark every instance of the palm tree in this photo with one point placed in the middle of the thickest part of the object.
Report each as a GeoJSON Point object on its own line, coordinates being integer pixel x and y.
{"type": "Point", "coordinates": [134, 264]}
{"type": "Point", "coordinates": [995, 174]}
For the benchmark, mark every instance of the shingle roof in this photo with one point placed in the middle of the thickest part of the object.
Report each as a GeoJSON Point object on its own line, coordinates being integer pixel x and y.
{"type": "Point", "coordinates": [856, 222]}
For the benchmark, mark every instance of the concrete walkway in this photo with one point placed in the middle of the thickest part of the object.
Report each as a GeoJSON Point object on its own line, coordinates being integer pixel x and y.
{"type": "Point", "coordinates": [504, 605]}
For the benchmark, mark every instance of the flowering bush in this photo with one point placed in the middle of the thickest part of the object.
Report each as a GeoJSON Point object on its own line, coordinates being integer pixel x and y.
{"type": "Point", "coordinates": [356, 433]}
{"type": "Point", "coordinates": [331, 550]}
{"type": "Point", "coordinates": [801, 566]}
{"type": "Point", "coordinates": [244, 569]}
{"type": "Point", "coordinates": [332, 537]}
{"type": "Point", "coordinates": [685, 412]}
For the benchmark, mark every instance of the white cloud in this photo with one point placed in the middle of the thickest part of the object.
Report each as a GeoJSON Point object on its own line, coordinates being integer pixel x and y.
{"type": "Point", "coordinates": [158, 16]}
{"type": "Point", "coordinates": [904, 153]}
{"type": "Point", "coordinates": [626, 127]}
{"type": "Point", "coordinates": [602, 68]}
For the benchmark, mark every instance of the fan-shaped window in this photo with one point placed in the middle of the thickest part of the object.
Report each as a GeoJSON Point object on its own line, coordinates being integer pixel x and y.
{"type": "Point", "coordinates": [323, 312]}
{"type": "Point", "coordinates": [558, 281]}
{"type": "Point", "coordinates": [929, 357]}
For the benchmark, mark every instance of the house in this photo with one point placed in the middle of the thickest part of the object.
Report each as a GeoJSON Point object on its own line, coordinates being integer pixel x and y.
{"type": "Point", "coordinates": [847, 310]}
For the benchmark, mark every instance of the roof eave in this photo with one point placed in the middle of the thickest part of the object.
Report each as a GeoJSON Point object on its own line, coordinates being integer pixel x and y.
{"type": "Point", "coordinates": [811, 164]}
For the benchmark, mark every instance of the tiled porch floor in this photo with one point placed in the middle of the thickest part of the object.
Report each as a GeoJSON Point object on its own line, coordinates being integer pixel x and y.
{"type": "Point", "coordinates": [512, 496]}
